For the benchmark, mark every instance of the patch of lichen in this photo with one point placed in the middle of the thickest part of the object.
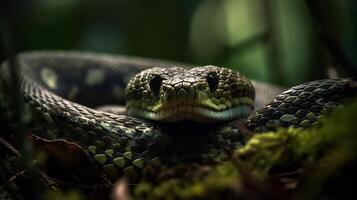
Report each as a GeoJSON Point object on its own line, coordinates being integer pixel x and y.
{"type": "Point", "coordinates": [318, 152]}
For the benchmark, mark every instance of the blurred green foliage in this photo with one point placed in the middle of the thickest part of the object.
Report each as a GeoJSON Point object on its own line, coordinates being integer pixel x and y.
{"type": "Point", "coordinates": [269, 40]}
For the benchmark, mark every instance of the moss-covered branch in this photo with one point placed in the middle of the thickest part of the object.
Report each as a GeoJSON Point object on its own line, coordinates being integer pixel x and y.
{"type": "Point", "coordinates": [308, 158]}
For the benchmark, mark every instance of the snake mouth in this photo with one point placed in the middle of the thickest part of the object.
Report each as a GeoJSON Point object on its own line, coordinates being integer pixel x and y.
{"type": "Point", "coordinates": [192, 113]}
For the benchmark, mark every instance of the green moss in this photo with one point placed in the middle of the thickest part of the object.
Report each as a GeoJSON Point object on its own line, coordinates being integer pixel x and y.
{"type": "Point", "coordinates": [59, 195]}
{"type": "Point", "coordinates": [257, 163]}
{"type": "Point", "coordinates": [290, 146]}
{"type": "Point", "coordinates": [215, 182]}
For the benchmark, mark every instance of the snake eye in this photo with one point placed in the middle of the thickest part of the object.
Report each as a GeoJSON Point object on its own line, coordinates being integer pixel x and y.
{"type": "Point", "coordinates": [212, 80]}
{"type": "Point", "coordinates": [155, 84]}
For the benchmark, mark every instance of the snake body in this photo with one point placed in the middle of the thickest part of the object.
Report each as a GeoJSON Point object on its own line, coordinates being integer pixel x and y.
{"type": "Point", "coordinates": [51, 83]}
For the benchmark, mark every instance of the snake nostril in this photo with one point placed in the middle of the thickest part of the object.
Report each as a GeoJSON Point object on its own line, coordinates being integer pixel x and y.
{"type": "Point", "coordinates": [155, 84]}
{"type": "Point", "coordinates": [212, 80]}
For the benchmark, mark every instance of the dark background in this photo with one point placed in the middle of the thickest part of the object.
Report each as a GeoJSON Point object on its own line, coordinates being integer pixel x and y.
{"type": "Point", "coordinates": [278, 41]}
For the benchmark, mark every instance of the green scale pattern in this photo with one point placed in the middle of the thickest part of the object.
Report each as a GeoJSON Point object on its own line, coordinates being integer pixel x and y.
{"type": "Point", "coordinates": [122, 144]}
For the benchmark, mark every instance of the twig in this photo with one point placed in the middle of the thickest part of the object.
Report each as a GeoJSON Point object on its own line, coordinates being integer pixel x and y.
{"type": "Point", "coordinates": [9, 14]}
{"type": "Point", "coordinates": [9, 147]}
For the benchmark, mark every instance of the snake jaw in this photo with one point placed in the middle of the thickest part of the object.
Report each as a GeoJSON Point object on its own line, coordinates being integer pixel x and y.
{"type": "Point", "coordinates": [190, 112]}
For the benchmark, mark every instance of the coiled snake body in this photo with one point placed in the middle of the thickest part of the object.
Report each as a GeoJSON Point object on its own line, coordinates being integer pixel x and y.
{"type": "Point", "coordinates": [52, 81]}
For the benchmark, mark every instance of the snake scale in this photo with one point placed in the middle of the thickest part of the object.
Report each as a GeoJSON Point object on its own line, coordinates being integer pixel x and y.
{"type": "Point", "coordinates": [61, 90]}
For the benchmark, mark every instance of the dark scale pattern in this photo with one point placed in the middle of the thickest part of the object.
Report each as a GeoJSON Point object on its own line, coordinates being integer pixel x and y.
{"type": "Point", "coordinates": [54, 117]}
{"type": "Point", "coordinates": [117, 143]}
{"type": "Point", "coordinates": [175, 79]}
{"type": "Point", "coordinates": [303, 105]}
{"type": "Point", "coordinates": [121, 144]}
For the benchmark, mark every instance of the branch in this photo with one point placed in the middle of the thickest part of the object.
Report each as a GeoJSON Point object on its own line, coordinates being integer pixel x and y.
{"type": "Point", "coordinates": [328, 39]}
{"type": "Point", "coordinates": [275, 61]}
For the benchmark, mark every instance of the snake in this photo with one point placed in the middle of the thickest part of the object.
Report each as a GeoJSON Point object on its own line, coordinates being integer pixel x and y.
{"type": "Point", "coordinates": [175, 112]}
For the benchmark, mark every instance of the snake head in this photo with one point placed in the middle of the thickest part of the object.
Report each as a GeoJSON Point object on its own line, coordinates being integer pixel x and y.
{"type": "Point", "coordinates": [203, 94]}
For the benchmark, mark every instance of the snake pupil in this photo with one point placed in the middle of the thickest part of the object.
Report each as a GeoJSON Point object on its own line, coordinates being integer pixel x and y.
{"type": "Point", "coordinates": [212, 80]}
{"type": "Point", "coordinates": [155, 84]}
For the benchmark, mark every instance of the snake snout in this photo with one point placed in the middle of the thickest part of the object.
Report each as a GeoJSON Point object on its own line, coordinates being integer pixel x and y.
{"type": "Point", "coordinates": [181, 93]}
